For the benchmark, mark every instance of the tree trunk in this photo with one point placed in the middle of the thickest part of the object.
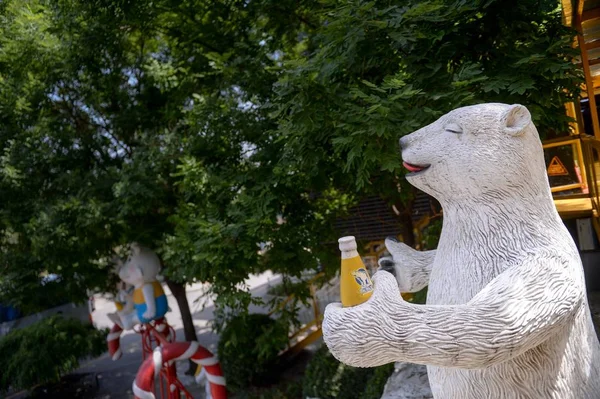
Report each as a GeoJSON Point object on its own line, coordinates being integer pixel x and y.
{"type": "Point", "coordinates": [407, 227]}
{"type": "Point", "coordinates": [189, 331]}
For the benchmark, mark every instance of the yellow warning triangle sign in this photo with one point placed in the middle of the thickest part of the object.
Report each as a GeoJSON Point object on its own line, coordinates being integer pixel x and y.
{"type": "Point", "coordinates": [557, 168]}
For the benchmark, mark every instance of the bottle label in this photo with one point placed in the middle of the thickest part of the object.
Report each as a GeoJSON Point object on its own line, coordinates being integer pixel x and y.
{"type": "Point", "coordinates": [364, 281]}
{"type": "Point", "coordinates": [356, 285]}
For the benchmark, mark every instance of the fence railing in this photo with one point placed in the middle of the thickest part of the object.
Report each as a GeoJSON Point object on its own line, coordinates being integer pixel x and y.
{"type": "Point", "coordinates": [591, 151]}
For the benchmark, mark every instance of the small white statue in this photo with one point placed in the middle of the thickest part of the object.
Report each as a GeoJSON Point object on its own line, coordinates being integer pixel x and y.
{"type": "Point", "coordinates": [124, 298]}
{"type": "Point", "coordinates": [507, 313]}
{"type": "Point", "coordinates": [124, 304]}
{"type": "Point", "coordinates": [148, 301]}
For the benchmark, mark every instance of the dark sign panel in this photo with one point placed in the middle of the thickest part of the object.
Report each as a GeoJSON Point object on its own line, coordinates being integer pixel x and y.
{"type": "Point", "coordinates": [562, 168]}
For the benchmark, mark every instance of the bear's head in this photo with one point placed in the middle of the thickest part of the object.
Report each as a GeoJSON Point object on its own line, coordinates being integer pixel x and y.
{"type": "Point", "coordinates": [475, 152]}
{"type": "Point", "coordinates": [142, 266]}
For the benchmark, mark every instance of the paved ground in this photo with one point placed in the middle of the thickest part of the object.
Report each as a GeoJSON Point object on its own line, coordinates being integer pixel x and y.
{"type": "Point", "coordinates": [115, 377]}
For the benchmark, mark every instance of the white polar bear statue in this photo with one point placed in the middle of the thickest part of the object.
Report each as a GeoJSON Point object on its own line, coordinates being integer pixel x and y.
{"type": "Point", "coordinates": [148, 298]}
{"type": "Point", "coordinates": [507, 313]}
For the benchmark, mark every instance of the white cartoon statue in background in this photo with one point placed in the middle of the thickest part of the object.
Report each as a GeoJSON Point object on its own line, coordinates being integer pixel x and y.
{"type": "Point", "coordinates": [148, 301]}
{"type": "Point", "coordinates": [124, 304]}
{"type": "Point", "coordinates": [124, 299]}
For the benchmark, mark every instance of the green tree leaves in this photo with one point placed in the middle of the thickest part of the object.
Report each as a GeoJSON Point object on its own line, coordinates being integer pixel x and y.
{"type": "Point", "coordinates": [211, 130]}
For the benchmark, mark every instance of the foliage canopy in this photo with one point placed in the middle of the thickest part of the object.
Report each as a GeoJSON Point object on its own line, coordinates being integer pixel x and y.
{"type": "Point", "coordinates": [208, 130]}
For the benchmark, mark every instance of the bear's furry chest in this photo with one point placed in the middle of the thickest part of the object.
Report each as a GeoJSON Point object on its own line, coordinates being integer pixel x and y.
{"type": "Point", "coordinates": [459, 272]}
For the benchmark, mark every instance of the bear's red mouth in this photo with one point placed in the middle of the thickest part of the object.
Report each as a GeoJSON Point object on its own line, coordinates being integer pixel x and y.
{"type": "Point", "coordinates": [415, 168]}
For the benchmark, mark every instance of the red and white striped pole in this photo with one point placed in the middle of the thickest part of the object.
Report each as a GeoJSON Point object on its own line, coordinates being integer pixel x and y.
{"type": "Point", "coordinates": [166, 355]}
{"type": "Point", "coordinates": [113, 340]}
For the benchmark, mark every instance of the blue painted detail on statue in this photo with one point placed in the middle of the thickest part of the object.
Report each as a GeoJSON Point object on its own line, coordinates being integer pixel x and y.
{"type": "Point", "coordinates": [161, 309]}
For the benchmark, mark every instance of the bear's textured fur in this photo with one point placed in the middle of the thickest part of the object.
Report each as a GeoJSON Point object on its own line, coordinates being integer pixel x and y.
{"type": "Point", "coordinates": [506, 313]}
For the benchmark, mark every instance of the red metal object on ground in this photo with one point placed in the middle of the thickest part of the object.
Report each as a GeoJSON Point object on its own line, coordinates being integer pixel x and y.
{"type": "Point", "coordinates": [114, 342]}
{"type": "Point", "coordinates": [160, 354]}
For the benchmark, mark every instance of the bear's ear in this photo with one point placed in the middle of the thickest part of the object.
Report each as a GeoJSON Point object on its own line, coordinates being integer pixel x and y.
{"type": "Point", "coordinates": [515, 119]}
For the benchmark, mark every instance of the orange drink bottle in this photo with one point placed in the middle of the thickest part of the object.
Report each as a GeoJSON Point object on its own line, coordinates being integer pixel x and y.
{"type": "Point", "coordinates": [355, 283]}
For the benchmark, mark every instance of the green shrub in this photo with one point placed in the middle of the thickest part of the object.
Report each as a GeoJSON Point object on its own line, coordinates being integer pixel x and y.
{"type": "Point", "coordinates": [44, 351]}
{"type": "Point", "coordinates": [249, 348]}
{"type": "Point", "coordinates": [431, 234]}
{"type": "Point", "coordinates": [376, 383]}
{"type": "Point", "coordinates": [283, 390]}
{"type": "Point", "coordinates": [353, 382]}
{"type": "Point", "coordinates": [322, 375]}
{"type": "Point", "coordinates": [327, 378]}
{"type": "Point", "coordinates": [420, 297]}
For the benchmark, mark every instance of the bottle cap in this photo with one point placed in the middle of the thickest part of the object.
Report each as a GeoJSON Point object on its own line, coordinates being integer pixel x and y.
{"type": "Point", "coordinates": [347, 243]}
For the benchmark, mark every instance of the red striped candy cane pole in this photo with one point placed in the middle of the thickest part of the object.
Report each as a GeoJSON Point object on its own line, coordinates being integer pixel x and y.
{"type": "Point", "coordinates": [113, 340]}
{"type": "Point", "coordinates": [172, 352]}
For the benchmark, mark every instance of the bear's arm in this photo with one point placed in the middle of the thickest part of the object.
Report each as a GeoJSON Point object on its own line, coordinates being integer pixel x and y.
{"type": "Point", "coordinates": [413, 272]}
{"type": "Point", "coordinates": [411, 267]}
{"type": "Point", "coordinates": [517, 311]}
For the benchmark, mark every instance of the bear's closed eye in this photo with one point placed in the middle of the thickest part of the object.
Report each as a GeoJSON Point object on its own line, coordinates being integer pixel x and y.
{"type": "Point", "coordinates": [453, 128]}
